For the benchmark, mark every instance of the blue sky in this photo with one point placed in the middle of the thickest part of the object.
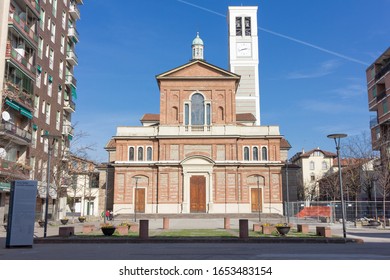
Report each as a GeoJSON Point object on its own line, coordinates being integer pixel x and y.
{"type": "Point", "coordinates": [313, 57]}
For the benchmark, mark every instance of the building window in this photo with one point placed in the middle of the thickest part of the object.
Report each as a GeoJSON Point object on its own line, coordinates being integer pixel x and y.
{"type": "Point", "coordinates": [131, 154]}
{"type": "Point", "coordinates": [175, 113]}
{"type": "Point", "coordinates": [246, 153]}
{"type": "Point", "coordinates": [220, 114]}
{"type": "Point", "coordinates": [238, 26]}
{"type": "Point", "coordinates": [208, 114]}
{"type": "Point", "coordinates": [140, 153]}
{"type": "Point", "coordinates": [186, 114]}
{"type": "Point", "coordinates": [312, 177]}
{"type": "Point", "coordinates": [324, 165]}
{"type": "Point", "coordinates": [312, 165]}
{"type": "Point", "coordinates": [197, 109]}
{"type": "Point", "coordinates": [255, 153]}
{"type": "Point", "coordinates": [264, 153]}
{"type": "Point", "coordinates": [149, 155]}
{"type": "Point", "coordinates": [248, 26]}
{"type": "Point", "coordinates": [384, 106]}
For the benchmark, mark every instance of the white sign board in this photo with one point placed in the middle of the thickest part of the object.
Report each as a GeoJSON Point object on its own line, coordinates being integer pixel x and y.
{"type": "Point", "coordinates": [21, 215]}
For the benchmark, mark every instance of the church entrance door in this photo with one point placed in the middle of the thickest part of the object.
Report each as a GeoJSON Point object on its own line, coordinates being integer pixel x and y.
{"type": "Point", "coordinates": [256, 202]}
{"type": "Point", "coordinates": [198, 194]}
{"type": "Point", "coordinates": [140, 200]}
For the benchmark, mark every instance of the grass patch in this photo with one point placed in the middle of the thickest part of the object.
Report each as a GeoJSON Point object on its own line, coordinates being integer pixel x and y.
{"type": "Point", "coordinates": [195, 233]}
{"type": "Point", "coordinates": [292, 233]}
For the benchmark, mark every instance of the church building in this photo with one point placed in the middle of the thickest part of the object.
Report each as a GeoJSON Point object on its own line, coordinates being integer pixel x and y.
{"type": "Point", "coordinates": [205, 151]}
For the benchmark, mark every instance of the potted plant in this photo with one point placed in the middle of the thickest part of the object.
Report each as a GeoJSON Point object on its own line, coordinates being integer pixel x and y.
{"type": "Point", "coordinates": [82, 219]}
{"type": "Point", "coordinates": [267, 228]}
{"type": "Point", "coordinates": [64, 220]}
{"type": "Point", "coordinates": [41, 223]}
{"type": "Point", "coordinates": [283, 229]}
{"type": "Point", "coordinates": [108, 229]}
{"type": "Point", "coordinates": [123, 228]}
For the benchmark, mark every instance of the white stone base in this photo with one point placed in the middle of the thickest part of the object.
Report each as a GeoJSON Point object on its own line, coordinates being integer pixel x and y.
{"type": "Point", "coordinates": [275, 208]}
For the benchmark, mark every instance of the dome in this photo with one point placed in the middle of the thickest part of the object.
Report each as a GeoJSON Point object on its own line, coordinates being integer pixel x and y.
{"type": "Point", "coordinates": [197, 40]}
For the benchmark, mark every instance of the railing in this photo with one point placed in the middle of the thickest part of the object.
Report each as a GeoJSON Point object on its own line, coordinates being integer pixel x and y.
{"type": "Point", "coordinates": [383, 71]}
{"type": "Point", "coordinates": [380, 96]}
{"type": "Point", "coordinates": [12, 129]}
{"type": "Point", "coordinates": [74, 10]}
{"type": "Point", "coordinates": [70, 104]}
{"type": "Point", "coordinates": [72, 32]}
{"type": "Point", "coordinates": [72, 55]}
{"type": "Point", "coordinates": [14, 169]}
{"type": "Point", "coordinates": [24, 28]}
{"type": "Point", "coordinates": [18, 94]}
{"type": "Point", "coordinates": [35, 7]}
{"type": "Point", "coordinates": [20, 60]}
{"type": "Point", "coordinates": [70, 80]}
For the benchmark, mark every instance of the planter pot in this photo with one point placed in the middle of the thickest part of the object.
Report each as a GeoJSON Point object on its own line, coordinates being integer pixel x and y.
{"type": "Point", "coordinates": [267, 229]}
{"type": "Point", "coordinates": [283, 230]}
{"type": "Point", "coordinates": [374, 223]}
{"type": "Point", "coordinates": [108, 231]}
{"type": "Point", "coordinates": [64, 222]}
{"type": "Point", "coordinates": [81, 220]}
{"type": "Point", "coordinates": [122, 230]}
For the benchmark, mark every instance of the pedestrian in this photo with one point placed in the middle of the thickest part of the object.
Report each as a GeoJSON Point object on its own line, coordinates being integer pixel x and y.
{"type": "Point", "coordinates": [107, 215]}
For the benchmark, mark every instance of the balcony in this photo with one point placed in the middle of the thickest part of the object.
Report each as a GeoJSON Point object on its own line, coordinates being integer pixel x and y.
{"type": "Point", "coordinates": [73, 34]}
{"type": "Point", "coordinates": [71, 57]}
{"type": "Point", "coordinates": [69, 106]}
{"type": "Point", "coordinates": [74, 11]}
{"type": "Point", "coordinates": [24, 29]}
{"type": "Point", "coordinates": [67, 129]}
{"type": "Point", "coordinates": [34, 7]}
{"type": "Point", "coordinates": [373, 121]}
{"type": "Point", "coordinates": [382, 71]}
{"type": "Point", "coordinates": [70, 80]}
{"type": "Point", "coordinates": [17, 56]}
{"type": "Point", "coordinates": [380, 96]}
{"type": "Point", "coordinates": [18, 94]}
{"type": "Point", "coordinates": [14, 133]}
{"type": "Point", "coordinates": [14, 170]}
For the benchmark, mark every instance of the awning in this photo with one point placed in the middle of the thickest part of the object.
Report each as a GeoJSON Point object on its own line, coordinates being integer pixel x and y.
{"type": "Point", "coordinates": [26, 113]}
{"type": "Point", "coordinates": [12, 104]}
{"type": "Point", "coordinates": [74, 93]}
{"type": "Point", "coordinates": [5, 187]}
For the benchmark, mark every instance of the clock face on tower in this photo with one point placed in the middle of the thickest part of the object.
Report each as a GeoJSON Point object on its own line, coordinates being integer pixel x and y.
{"type": "Point", "coordinates": [244, 49]}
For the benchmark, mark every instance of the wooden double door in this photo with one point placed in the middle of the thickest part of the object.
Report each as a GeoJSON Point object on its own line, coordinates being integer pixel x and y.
{"type": "Point", "coordinates": [256, 200]}
{"type": "Point", "coordinates": [140, 200]}
{"type": "Point", "coordinates": [198, 194]}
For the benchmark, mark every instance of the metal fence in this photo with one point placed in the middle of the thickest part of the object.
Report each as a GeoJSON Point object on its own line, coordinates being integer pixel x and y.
{"type": "Point", "coordinates": [330, 211]}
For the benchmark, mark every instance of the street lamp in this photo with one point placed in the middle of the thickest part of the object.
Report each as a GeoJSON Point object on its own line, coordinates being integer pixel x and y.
{"type": "Point", "coordinates": [258, 196]}
{"type": "Point", "coordinates": [337, 138]}
{"type": "Point", "coordinates": [288, 194]}
{"type": "Point", "coordinates": [50, 149]}
{"type": "Point", "coordinates": [135, 198]}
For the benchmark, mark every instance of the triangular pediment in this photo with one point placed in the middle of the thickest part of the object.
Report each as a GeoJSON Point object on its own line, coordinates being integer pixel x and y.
{"type": "Point", "coordinates": [196, 69]}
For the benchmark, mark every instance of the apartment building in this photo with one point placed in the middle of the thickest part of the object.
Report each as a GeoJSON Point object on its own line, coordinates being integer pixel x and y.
{"type": "Point", "coordinates": [378, 88]}
{"type": "Point", "coordinates": [38, 93]}
{"type": "Point", "coordinates": [308, 168]}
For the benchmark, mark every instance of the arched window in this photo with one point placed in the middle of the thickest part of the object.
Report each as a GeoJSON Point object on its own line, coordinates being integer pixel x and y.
{"type": "Point", "coordinates": [264, 153]}
{"type": "Point", "coordinates": [221, 116]}
{"type": "Point", "coordinates": [149, 155]}
{"type": "Point", "coordinates": [140, 153]}
{"type": "Point", "coordinates": [246, 153]}
{"type": "Point", "coordinates": [131, 154]}
{"type": "Point", "coordinates": [186, 114]}
{"type": "Point", "coordinates": [197, 109]}
{"type": "Point", "coordinates": [324, 165]}
{"type": "Point", "coordinates": [312, 165]}
{"type": "Point", "coordinates": [255, 153]}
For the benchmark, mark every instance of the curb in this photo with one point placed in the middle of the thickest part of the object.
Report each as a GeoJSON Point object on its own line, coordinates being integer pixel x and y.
{"type": "Point", "coordinates": [116, 240]}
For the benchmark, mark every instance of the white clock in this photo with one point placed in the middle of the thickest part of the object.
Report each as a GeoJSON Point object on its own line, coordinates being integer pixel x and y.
{"type": "Point", "coordinates": [244, 49]}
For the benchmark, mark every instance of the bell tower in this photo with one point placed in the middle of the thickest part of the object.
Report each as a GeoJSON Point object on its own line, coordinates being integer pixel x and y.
{"type": "Point", "coordinates": [197, 48]}
{"type": "Point", "coordinates": [244, 58]}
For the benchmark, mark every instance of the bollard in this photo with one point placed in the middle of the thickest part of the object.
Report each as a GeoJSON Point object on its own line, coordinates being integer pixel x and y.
{"type": "Point", "coordinates": [226, 223]}
{"type": "Point", "coordinates": [144, 229]}
{"type": "Point", "coordinates": [165, 223]}
{"type": "Point", "coordinates": [244, 232]}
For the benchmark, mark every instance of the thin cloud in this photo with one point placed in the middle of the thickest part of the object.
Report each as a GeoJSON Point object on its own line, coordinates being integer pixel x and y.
{"type": "Point", "coordinates": [351, 91]}
{"type": "Point", "coordinates": [325, 69]}
{"type": "Point", "coordinates": [285, 36]}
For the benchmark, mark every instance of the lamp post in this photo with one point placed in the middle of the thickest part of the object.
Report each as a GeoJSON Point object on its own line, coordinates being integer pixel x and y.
{"type": "Point", "coordinates": [288, 195]}
{"type": "Point", "coordinates": [258, 196]}
{"type": "Point", "coordinates": [50, 149]}
{"type": "Point", "coordinates": [337, 139]}
{"type": "Point", "coordinates": [135, 198]}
